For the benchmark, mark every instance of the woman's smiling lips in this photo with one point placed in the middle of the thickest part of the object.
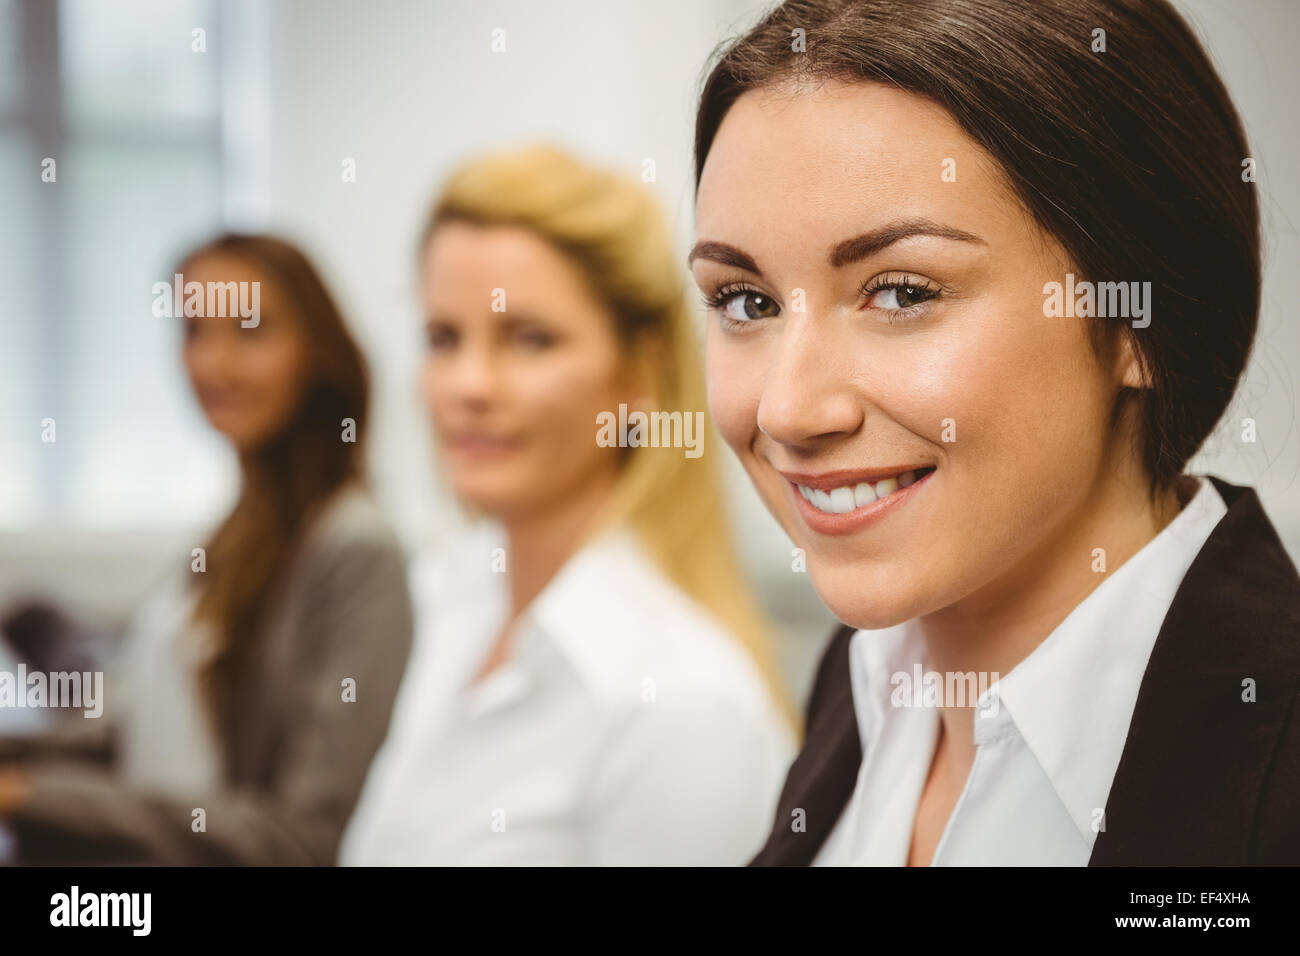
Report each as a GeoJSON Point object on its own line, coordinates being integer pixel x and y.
{"type": "Point", "coordinates": [481, 445]}
{"type": "Point", "coordinates": [841, 502]}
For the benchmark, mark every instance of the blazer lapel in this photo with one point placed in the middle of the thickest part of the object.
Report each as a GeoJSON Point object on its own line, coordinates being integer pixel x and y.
{"type": "Point", "coordinates": [823, 776]}
{"type": "Point", "coordinates": [1188, 785]}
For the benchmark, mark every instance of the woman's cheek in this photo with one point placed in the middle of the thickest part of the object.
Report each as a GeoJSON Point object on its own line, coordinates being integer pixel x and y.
{"type": "Point", "coordinates": [734, 391]}
{"type": "Point", "coordinates": [558, 408]}
{"type": "Point", "coordinates": [972, 384]}
{"type": "Point", "coordinates": [933, 391]}
{"type": "Point", "coordinates": [429, 391]}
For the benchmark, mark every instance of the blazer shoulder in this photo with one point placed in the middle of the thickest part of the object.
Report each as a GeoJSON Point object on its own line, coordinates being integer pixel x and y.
{"type": "Point", "coordinates": [350, 519]}
{"type": "Point", "coordinates": [1253, 580]}
{"type": "Point", "coordinates": [1216, 713]}
{"type": "Point", "coordinates": [348, 582]}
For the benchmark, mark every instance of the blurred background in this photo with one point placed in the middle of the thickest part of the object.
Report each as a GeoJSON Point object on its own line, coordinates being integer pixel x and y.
{"type": "Point", "coordinates": [163, 135]}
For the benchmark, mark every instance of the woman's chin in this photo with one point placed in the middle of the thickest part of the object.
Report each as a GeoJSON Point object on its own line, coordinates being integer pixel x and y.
{"type": "Point", "coordinates": [499, 504]}
{"type": "Point", "coordinates": [245, 440]}
{"type": "Point", "coordinates": [867, 617]}
{"type": "Point", "coordinates": [867, 604]}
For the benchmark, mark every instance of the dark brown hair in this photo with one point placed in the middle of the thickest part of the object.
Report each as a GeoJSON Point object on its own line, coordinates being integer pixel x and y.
{"type": "Point", "coordinates": [289, 478]}
{"type": "Point", "coordinates": [1132, 158]}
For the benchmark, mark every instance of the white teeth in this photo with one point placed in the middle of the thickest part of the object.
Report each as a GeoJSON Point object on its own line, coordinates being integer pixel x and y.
{"type": "Point", "coordinates": [863, 494]}
{"type": "Point", "coordinates": [843, 500]}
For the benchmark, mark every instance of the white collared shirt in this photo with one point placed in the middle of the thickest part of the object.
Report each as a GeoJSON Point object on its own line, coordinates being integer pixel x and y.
{"type": "Point", "coordinates": [1048, 735]}
{"type": "Point", "coordinates": [625, 728]}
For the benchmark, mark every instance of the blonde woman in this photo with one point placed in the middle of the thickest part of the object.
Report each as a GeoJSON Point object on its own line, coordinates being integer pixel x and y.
{"type": "Point", "coordinates": [592, 684]}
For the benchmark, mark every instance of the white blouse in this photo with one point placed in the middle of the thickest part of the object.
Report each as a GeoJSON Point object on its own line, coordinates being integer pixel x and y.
{"type": "Point", "coordinates": [626, 727]}
{"type": "Point", "coordinates": [165, 734]}
{"type": "Point", "coordinates": [1048, 735]}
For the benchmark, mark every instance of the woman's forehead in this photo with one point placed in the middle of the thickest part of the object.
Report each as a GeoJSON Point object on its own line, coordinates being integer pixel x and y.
{"type": "Point", "coordinates": [815, 166]}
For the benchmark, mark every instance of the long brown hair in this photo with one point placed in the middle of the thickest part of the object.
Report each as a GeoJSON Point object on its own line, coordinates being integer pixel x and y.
{"type": "Point", "coordinates": [286, 480]}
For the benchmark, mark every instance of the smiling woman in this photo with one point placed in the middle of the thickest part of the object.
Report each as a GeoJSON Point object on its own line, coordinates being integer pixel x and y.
{"type": "Point", "coordinates": [982, 488]}
{"type": "Point", "coordinates": [594, 684]}
{"type": "Point", "coordinates": [232, 732]}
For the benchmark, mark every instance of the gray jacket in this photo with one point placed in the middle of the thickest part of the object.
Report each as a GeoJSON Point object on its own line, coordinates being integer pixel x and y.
{"type": "Point", "coordinates": [296, 753]}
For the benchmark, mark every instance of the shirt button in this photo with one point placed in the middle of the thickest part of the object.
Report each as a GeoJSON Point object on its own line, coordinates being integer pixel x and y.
{"type": "Point", "coordinates": [990, 718]}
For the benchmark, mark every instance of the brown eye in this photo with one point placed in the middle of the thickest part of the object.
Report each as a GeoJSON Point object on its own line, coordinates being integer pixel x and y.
{"type": "Point", "coordinates": [910, 295]}
{"type": "Point", "coordinates": [899, 296]}
{"type": "Point", "coordinates": [531, 337]}
{"type": "Point", "coordinates": [439, 337]}
{"type": "Point", "coordinates": [746, 306]}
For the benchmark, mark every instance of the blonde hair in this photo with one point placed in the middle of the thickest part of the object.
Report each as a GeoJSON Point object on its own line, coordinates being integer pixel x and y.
{"type": "Point", "coordinates": [615, 231]}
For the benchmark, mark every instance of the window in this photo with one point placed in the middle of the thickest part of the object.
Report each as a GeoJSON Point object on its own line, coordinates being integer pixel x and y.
{"type": "Point", "coordinates": [127, 101]}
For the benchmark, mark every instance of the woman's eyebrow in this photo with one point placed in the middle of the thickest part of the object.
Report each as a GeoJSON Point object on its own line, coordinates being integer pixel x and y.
{"type": "Point", "coordinates": [721, 252]}
{"type": "Point", "coordinates": [842, 253]}
{"type": "Point", "coordinates": [869, 243]}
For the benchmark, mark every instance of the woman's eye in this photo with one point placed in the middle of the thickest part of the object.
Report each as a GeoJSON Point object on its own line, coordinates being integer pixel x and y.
{"type": "Point", "coordinates": [440, 338]}
{"type": "Point", "coordinates": [745, 306]}
{"type": "Point", "coordinates": [532, 338]}
{"type": "Point", "coordinates": [902, 296]}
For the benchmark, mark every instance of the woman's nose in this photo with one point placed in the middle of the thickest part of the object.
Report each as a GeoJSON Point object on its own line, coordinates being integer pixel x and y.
{"type": "Point", "coordinates": [809, 392]}
{"type": "Point", "coordinates": [473, 374]}
{"type": "Point", "coordinates": [212, 351]}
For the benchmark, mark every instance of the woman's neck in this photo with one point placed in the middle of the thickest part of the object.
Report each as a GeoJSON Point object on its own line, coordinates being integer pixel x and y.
{"type": "Point", "coordinates": [539, 543]}
{"type": "Point", "coordinates": [992, 630]}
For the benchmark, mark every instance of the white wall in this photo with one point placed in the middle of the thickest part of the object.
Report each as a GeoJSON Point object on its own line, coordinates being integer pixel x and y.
{"type": "Point", "coordinates": [1253, 45]}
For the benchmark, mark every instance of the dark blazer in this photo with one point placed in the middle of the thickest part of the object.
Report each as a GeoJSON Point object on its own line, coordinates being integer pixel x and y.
{"type": "Point", "coordinates": [1204, 778]}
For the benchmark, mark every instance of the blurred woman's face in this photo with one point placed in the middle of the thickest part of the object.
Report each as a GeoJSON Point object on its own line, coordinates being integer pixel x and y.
{"type": "Point", "coordinates": [878, 356]}
{"type": "Point", "coordinates": [522, 359]}
{"type": "Point", "coordinates": [249, 381]}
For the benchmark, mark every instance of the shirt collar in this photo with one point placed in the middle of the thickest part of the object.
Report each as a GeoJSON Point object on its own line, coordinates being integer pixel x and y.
{"type": "Point", "coordinates": [607, 579]}
{"type": "Point", "coordinates": [1072, 698]}
{"type": "Point", "coordinates": [874, 658]}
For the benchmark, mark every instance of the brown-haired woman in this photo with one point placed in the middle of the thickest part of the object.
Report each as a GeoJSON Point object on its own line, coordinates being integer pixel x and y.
{"type": "Point", "coordinates": [1059, 648]}
{"type": "Point", "coordinates": [256, 687]}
